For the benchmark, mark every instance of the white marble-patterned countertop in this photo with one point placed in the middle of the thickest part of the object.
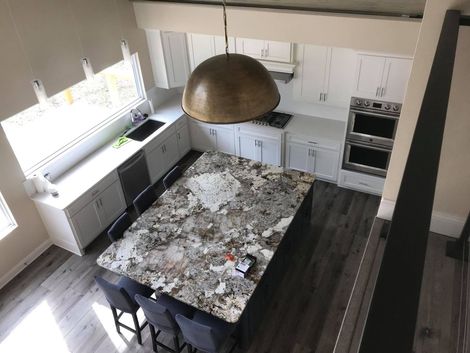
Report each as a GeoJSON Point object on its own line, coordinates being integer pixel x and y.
{"type": "Point", "coordinates": [222, 204]}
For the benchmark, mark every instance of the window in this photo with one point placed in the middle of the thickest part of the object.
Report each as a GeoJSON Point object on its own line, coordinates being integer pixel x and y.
{"type": "Point", "coordinates": [7, 222]}
{"type": "Point", "coordinates": [40, 132]}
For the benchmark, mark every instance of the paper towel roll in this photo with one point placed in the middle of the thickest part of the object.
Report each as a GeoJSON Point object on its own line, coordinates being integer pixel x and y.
{"type": "Point", "coordinates": [38, 182]}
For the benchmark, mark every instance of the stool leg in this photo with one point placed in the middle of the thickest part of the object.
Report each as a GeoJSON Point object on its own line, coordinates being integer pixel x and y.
{"type": "Point", "coordinates": [116, 319]}
{"type": "Point", "coordinates": [154, 338]}
{"type": "Point", "coordinates": [177, 344]}
{"type": "Point", "coordinates": [190, 348]}
{"type": "Point", "coordinates": [137, 328]}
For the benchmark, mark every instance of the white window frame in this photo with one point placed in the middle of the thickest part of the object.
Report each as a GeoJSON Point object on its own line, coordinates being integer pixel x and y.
{"type": "Point", "coordinates": [5, 211]}
{"type": "Point", "coordinates": [55, 158]}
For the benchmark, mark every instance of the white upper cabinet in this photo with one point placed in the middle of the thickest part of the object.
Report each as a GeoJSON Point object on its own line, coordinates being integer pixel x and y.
{"type": "Point", "coordinates": [311, 72]}
{"type": "Point", "coordinates": [324, 75]}
{"type": "Point", "coordinates": [265, 50]}
{"type": "Point", "coordinates": [380, 77]}
{"type": "Point", "coordinates": [169, 56]}
{"type": "Point", "coordinates": [201, 47]}
{"type": "Point", "coordinates": [396, 75]}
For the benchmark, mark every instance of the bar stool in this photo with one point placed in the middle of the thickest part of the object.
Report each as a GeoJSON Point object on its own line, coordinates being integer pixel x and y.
{"type": "Point", "coordinates": [160, 315]}
{"type": "Point", "coordinates": [145, 199]}
{"type": "Point", "coordinates": [172, 176]}
{"type": "Point", "coordinates": [205, 332]}
{"type": "Point", "coordinates": [119, 227]}
{"type": "Point", "coordinates": [120, 296]}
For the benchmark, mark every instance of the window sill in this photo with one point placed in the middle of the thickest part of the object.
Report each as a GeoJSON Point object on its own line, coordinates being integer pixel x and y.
{"type": "Point", "coordinates": [79, 149]}
{"type": "Point", "coordinates": [5, 232]}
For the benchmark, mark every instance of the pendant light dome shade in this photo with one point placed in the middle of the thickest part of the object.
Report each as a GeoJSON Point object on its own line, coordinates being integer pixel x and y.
{"type": "Point", "coordinates": [228, 89]}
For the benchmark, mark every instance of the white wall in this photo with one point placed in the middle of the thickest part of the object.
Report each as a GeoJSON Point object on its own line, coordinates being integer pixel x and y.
{"type": "Point", "coordinates": [29, 239]}
{"type": "Point", "coordinates": [382, 34]}
{"type": "Point", "coordinates": [452, 199]}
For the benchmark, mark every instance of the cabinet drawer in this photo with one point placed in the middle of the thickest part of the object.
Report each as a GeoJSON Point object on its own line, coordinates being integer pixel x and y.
{"type": "Point", "coordinates": [314, 142]}
{"type": "Point", "coordinates": [362, 182]}
{"type": "Point", "coordinates": [92, 193]}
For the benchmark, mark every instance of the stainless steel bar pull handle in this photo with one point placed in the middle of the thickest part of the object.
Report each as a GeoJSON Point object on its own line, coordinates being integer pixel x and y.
{"type": "Point", "coordinates": [377, 92]}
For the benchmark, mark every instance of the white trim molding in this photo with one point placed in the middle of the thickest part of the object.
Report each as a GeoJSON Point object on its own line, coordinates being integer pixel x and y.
{"type": "Point", "coordinates": [441, 223]}
{"type": "Point", "coordinates": [7, 277]}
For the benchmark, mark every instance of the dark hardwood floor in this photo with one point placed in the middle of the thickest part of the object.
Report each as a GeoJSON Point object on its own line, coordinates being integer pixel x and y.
{"type": "Point", "coordinates": [54, 305]}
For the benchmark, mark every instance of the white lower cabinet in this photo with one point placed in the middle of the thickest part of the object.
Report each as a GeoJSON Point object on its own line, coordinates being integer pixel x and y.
{"type": "Point", "coordinates": [184, 141]}
{"type": "Point", "coordinates": [321, 159]}
{"type": "Point", "coordinates": [98, 214]}
{"type": "Point", "coordinates": [85, 223]}
{"type": "Point", "coordinates": [76, 226]}
{"type": "Point", "coordinates": [210, 137]}
{"type": "Point", "coordinates": [162, 157]}
{"type": "Point", "coordinates": [259, 148]}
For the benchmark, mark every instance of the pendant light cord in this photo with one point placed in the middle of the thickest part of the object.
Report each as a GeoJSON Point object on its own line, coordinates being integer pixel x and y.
{"type": "Point", "coordinates": [224, 5]}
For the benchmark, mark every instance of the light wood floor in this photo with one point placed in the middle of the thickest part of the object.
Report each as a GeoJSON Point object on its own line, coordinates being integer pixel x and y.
{"type": "Point", "coordinates": [54, 305]}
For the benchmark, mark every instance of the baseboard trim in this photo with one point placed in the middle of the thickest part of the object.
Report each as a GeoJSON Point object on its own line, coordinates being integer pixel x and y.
{"type": "Point", "coordinates": [441, 223]}
{"type": "Point", "coordinates": [33, 255]}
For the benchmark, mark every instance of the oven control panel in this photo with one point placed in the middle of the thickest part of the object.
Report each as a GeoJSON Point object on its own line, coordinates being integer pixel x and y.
{"type": "Point", "coordinates": [373, 105]}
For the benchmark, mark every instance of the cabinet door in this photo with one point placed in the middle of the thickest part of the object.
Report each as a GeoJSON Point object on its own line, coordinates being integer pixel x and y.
{"type": "Point", "coordinates": [396, 75]}
{"type": "Point", "coordinates": [270, 151]}
{"type": "Point", "coordinates": [340, 77]}
{"type": "Point", "coordinates": [326, 163]}
{"type": "Point", "coordinates": [202, 138]}
{"type": "Point", "coordinates": [184, 142]}
{"type": "Point", "coordinates": [174, 48]}
{"type": "Point", "coordinates": [200, 48]}
{"type": "Point", "coordinates": [248, 147]}
{"type": "Point", "coordinates": [370, 70]}
{"type": "Point", "coordinates": [278, 51]}
{"type": "Point", "coordinates": [311, 70]}
{"type": "Point", "coordinates": [251, 47]}
{"type": "Point", "coordinates": [87, 224]}
{"type": "Point", "coordinates": [156, 163]}
{"type": "Point", "coordinates": [299, 157]}
{"type": "Point", "coordinates": [170, 152]}
{"type": "Point", "coordinates": [111, 204]}
{"type": "Point", "coordinates": [225, 140]}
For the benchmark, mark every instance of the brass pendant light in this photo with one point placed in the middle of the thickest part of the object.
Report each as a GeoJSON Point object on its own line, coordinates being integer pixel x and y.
{"type": "Point", "coordinates": [229, 88]}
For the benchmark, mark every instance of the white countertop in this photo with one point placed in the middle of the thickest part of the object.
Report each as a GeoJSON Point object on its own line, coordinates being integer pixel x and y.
{"type": "Point", "coordinates": [83, 176]}
{"type": "Point", "coordinates": [87, 173]}
{"type": "Point", "coordinates": [311, 126]}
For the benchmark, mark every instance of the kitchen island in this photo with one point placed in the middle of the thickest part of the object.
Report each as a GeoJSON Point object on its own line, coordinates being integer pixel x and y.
{"type": "Point", "coordinates": [223, 207]}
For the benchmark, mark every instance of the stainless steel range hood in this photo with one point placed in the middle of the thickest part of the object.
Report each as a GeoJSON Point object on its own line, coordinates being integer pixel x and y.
{"type": "Point", "coordinates": [280, 71]}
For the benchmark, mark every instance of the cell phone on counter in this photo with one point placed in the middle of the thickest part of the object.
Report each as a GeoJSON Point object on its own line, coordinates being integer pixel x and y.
{"type": "Point", "coordinates": [244, 265]}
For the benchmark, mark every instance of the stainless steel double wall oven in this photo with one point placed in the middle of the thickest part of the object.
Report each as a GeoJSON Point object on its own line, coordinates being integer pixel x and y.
{"type": "Point", "coordinates": [370, 135]}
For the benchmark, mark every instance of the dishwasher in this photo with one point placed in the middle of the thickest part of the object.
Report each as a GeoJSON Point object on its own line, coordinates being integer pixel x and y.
{"type": "Point", "coordinates": [134, 176]}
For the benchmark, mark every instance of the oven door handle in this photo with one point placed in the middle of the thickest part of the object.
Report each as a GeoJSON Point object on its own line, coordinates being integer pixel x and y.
{"type": "Point", "coordinates": [369, 146]}
{"type": "Point", "coordinates": [374, 114]}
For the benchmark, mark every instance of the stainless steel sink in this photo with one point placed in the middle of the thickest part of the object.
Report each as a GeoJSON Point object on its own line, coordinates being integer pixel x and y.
{"type": "Point", "coordinates": [143, 131]}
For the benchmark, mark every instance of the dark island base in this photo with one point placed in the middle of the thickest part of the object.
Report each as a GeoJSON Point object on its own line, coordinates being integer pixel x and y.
{"type": "Point", "coordinates": [260, 301]}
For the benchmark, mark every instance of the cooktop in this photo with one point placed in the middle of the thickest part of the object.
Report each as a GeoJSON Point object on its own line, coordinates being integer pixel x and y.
{"type": "Point", "coordinates": [274, 119]}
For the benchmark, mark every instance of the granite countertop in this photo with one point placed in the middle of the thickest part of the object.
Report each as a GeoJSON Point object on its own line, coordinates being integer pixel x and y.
{"type": "Point", "coordinates": [221, 204]}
